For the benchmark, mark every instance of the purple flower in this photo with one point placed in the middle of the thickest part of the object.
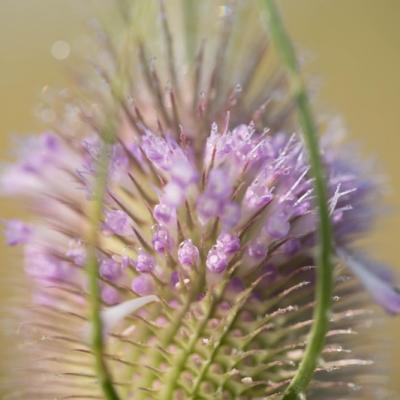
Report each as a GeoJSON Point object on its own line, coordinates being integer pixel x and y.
{"type": "Point", "coordinates": [258, 195]}
{"type": "Point", "coordinates": [156, 150]}
{"type": "Point", "coordinates": [231, 215]}
{"type": "Point", "coordinates": [228, 243]}
{"type": "Point", "coordinates": [43, 152]}
{"type": "Point", "coordinates": [183, 172]}
{"type": "Point", "coordinates": [119, 158]}
{"type": "Point", "coordinates": [43, 266]}
{"type": "Point", "coordinates": [277, 226]}
{"type": "Point", "coordinates": [291, 247]}
{"type": "Point", "coordinates": [208, 207]}
{"type": "Point", "coordinates": [135, 151]}
{"type": "Point", "coordinates": [161, 240]}
{"type": "Point", "coordinates": [239, 172]}
{"type": "Point", "coordinates": [188, 253]}
{"type": "Point", "coordinates": [126, 261]}
{"type": "Point", "coordinates": [118, 222]}
{"type": "Point", "coordinates": [258, 250]}
{"type": "Point", "coordinates": [217, 260]}
{"type": "Point", "coordinates": [163, 213]}
{"type": "Point", "coordinates": [110, 296]}
{"type": "Point", "coordinates": [110, 269]}
{"type": "Point", "coordinates": [143, 285]}
{"type": "Point", "coordinates": [38, 162]}
{"type": "Point", "coordinates": [144, 262]}
{"type": "Point", "coordinates": [376, 278]}
{"type": "Point", "coordinates": [215, 199]}
{"type": "Point", "coordinates": [17, 232]}
{"type": "Point", "coordinates": [174, 194]}
{"type": "Point", "coordinates": [77, 253]}
{"type": "Point", "coordinates": [219, 185]}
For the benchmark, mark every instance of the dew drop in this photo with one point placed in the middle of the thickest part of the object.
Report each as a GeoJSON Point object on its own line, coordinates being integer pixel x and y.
{"type": "Point", "coordinates": [60, 50]}
{"type": "Point", "coordinates": [329, 316]}
{"type": "Point", "coordinates": [233, 372]}
{"type": "Point", "coordinates": [247, 380]}
{"type": "Point", "coordinates": [353, 387]}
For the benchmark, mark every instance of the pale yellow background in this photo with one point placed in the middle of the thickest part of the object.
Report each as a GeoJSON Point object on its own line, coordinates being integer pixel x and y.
{"type": "Point", "coordinates": [353, 45]}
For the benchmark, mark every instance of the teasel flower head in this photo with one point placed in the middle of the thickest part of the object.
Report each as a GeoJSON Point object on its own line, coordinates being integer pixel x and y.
{"type": "Point", "coordinates": [174, 197]}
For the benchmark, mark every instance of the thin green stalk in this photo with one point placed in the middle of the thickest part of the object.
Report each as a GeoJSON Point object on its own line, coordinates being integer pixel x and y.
{"type": "Point", "coordinates": [324, 286]}
{"type": "Point", "coordinates": [97, 340]}
{"type": "Point", "coordinates": [189, 20]}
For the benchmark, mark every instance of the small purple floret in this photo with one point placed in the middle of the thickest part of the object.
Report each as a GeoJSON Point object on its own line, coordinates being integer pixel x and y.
{"type": "Point", "coordinates": [291, 247]}
{"type": "Point", "coordinates": [161, 240]}
{"type": "Point", "coordinates": [183, 173]}
{"type": "Point", "coordinates": [110, 269]}
{"type": "Point", "coordinates": [258, 250]}
{"type": "Point", "coordinates": [144, 263]}
{"type": "Point", "coordinates": [231, 215]}
{"type": "Point", "coordinates": [163, 213]}
{"type": "Point", "coordinates": [228, 243]}
{"type": "Point", "coordinates": [219, 184]}
{"type": "Point", "coordinates": [41, 265]}
{"type": "Point", "coordinates": [118, 222]}
{"type": "Point", "coordinates": [41, 154]}
{"type": "Point", "coordinates": [174, 194]}
{"type": "Point", "coordinates": [17, 232]}
{"type": "Point", "coordinates": [258, 196]}
{"type": "Point", "coordinates": [119, 158]}
{"type": "Point", "coordinates": [188, 253]}
{"type": "Point", "coordinates": [217, 260]}
{"type": "Point", "coordinates": [208, 207]}
{"type": "Point", "coordinates": [77, 254]}
{"type": "Point", "coordinates": [277, 226]}
{"type": "Point", "coordinates": [143, 285]}
{"type": "Point", "coordinates": [216, 197]}
{"type": "Point", "coordinates": [110, 296]}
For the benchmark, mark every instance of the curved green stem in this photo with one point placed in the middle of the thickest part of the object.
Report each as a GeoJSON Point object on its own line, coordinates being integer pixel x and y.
{"type": "Point", "coordinates": [324, 287]}
{"type": "Point", "coordinates": [97, 340]}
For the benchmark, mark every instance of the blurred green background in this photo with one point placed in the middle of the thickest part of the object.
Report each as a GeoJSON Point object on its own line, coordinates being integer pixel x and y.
{"type": "Point", "coordinates": [352, 45]}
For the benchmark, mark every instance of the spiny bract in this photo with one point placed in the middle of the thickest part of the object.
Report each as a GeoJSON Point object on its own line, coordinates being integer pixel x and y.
{"type": "Point", "coordinates": [209, 208]}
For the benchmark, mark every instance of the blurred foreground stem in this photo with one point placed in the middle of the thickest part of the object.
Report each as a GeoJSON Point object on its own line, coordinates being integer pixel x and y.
{"type": "Point", "coordinates": [324, 287]}
{"type": "Point", "coordinates": [96, 326]}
